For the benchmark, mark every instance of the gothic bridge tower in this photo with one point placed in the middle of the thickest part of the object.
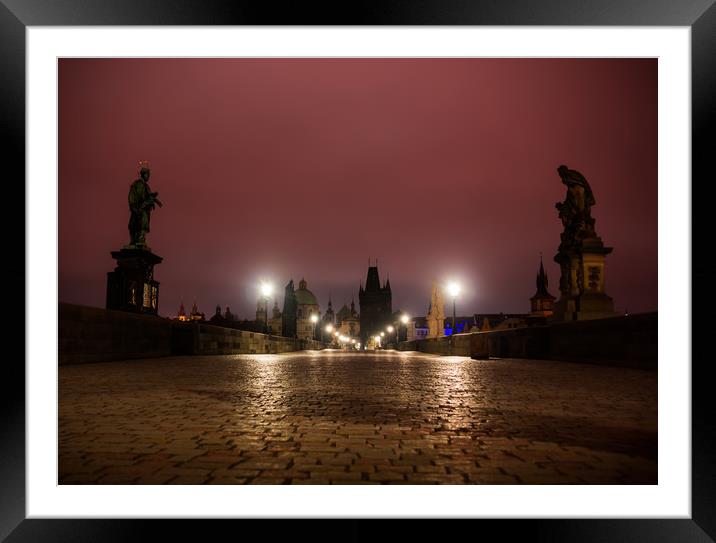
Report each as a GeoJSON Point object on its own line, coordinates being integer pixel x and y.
{"type": "Point", "coordinates": [375, 305]}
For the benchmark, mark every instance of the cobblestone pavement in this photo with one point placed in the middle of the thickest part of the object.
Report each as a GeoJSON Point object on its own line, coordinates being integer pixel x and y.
{"type": "Point", "coordinates": [346, 418]}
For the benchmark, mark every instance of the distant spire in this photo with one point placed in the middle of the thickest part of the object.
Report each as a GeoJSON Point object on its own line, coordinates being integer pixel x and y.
{"type": "Point", "coordinates": [541, 282]}
{"type": "Point", "coordinates": [541, 276]}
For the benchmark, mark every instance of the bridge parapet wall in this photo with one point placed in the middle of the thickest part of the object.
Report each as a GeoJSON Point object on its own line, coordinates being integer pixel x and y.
{"type": "Point", "coordinates": [219, 340]}
{"type": "Point", "coordinates": [627, 341]}
{"type": "Point", "coordinates": [91, 334]}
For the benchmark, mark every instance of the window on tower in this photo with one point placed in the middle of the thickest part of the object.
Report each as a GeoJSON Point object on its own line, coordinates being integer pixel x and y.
{"type": "Point", "coordinates": [146, 298]}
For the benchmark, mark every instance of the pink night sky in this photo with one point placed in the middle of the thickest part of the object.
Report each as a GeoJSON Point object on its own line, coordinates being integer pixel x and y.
{"type": "Point", "coordinates": [271, 169]}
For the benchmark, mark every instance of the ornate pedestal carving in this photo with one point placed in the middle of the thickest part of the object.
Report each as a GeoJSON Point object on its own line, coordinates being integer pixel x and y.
{"type": "Point", "coordinates": [581, 285]}
{"type": "Point", "coordinates": [131, 286]}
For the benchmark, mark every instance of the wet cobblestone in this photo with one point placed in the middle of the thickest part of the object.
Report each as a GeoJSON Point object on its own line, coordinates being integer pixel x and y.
{"type": "Point", "coordinates": [333, 417]}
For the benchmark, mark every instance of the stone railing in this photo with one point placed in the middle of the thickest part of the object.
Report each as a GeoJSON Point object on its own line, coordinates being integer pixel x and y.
{"type": "Point", "coordinates": [91, 334]}
{"type": "Point", "coordinates": [205, 339]}
{"type": "Point", "coordinates": [628, 341]}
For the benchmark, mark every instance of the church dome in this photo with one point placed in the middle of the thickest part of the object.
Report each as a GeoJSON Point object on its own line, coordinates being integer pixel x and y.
{"type": "Point", "coordinates": [304, 296]}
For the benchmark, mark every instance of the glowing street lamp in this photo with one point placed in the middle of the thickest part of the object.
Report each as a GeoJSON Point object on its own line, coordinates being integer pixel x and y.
{"type": "Point", "coordinates": [266, 291]}
{"type": "Point", "coordinates": [454, 290]}
{"type": "Point", "coordinates": [404, 319]}
{"type": "Point", "coordinates": [314, 320]}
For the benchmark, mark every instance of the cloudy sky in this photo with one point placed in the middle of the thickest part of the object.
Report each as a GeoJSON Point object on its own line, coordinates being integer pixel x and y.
{"type": "Point", "coordinates": [271, 169]}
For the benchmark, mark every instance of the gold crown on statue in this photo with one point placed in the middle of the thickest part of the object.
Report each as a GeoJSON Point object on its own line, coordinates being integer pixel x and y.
{"type": "Point", "coordinates": [143, 165]}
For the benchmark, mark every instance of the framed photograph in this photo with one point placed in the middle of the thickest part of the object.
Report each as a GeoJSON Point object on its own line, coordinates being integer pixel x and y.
{"type": "Point", "coordinates": [323, 304]}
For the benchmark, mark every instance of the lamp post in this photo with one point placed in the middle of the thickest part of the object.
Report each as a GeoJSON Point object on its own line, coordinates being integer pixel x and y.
{"type": "Point", "coordinates": [453, 290]}
{"type": "Point", "coordinates": [390, 330]}
{"type": "Point", "coordinates": [314, 320]}
{"type": "Point", "coordinates": [405, 319]}
{"type": "Point", "coordinates": [329, 329]}
{"type": "Point", "coordinates": [266, 290]}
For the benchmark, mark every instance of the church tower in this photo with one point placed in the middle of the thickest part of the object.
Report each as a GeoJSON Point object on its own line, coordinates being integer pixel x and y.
{"type": "Point", "coordinates": [288, 316]}
{"type": "Point", "coordinates": [375, 305]}
{"type": "Point", "coordinates": [542, 303]}
{"type": "Point", "coordinates": [329, 316]}
{"type": "Point", "coordinates": [276, 311]}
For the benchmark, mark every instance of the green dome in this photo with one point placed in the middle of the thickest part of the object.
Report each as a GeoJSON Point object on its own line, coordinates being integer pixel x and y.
{"type": "Point", "coordinates": [305, 296]}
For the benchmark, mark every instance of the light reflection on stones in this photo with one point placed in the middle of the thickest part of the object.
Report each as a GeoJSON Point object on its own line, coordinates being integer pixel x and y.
{"type": "Point", "coordinates": [331, 416]}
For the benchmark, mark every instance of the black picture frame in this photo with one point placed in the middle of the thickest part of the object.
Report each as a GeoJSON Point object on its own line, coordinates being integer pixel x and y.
{"type": "Point", "coordinates": [699, 15]}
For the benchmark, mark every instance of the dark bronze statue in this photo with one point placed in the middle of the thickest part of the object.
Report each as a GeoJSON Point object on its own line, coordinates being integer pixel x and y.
{"type": "Point", "coordinates": [142, 202]}
{"type": "Point", "coordinates": [575, 211]}
{"type": "Point", "coordinates": [580, 255]}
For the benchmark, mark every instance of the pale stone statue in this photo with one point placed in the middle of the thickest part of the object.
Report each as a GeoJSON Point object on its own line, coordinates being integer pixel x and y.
{"type": "Point", "coordinates": [436, 313]}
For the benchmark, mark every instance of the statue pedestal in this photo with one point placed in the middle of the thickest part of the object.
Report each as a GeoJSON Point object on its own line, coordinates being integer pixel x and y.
{"type": "Point", "coordinates": [131, 286]}
{"type": "Point", "coordinates": [582, 282]}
